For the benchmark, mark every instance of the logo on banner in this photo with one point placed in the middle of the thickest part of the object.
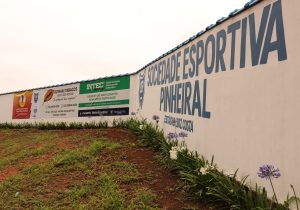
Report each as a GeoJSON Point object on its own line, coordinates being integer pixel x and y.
{"type": "Point", "coordinates": [22, 100]}
{"type": "Point", "coordinates": [35, 97]}
{"type": "Point", "coordinates": [22, 105]}
{"type": "Point", "coordinates": [48, 95]}
{"type": "Point", "coordinates": [141, 89]}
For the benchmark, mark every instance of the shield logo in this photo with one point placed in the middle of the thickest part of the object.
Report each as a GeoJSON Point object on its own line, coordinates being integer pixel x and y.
{"type": "Point", "coordinates": [141, 89]}
{"type": "Point", "coordinates": [35, 97]}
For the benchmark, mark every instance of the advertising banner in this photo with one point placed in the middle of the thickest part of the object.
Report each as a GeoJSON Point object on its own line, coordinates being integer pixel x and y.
{"type": "Point", "coordinates": [104, 97]}
{"type": "Point", "coordinates": [22, 105]}
{"type": "Point", "coordinates": [60, 102]}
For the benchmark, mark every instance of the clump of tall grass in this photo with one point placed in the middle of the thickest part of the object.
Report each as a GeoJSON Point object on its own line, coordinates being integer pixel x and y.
{"type": "Point", "coordinates": [55, 125]}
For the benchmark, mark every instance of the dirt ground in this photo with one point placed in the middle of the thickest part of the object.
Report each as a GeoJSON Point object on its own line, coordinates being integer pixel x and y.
{"type": "Point", "coordinates": [154, 175]}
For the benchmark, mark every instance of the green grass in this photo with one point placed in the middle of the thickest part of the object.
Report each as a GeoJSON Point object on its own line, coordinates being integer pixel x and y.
{"type": "Point", "coordinates": [102, 192]}
{"type": "Point", "coordinates": [97, 146]}
{"type": "Point", "coordinates": [70, 158]}
{"type": "Point", "coordinates": [13, 148]}
{"type": "Point", "coordinates": [144, 199]}
{"type": "Point", "coordinates": [92, 172]}
{"type": "Point", "coordinates": [85, 175]}
{"type": "Point", "coordinates": [85, 169]}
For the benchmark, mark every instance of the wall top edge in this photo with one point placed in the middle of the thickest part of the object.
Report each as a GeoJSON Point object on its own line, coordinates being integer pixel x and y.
{"type": "Point", "coordinates": [232, 14]}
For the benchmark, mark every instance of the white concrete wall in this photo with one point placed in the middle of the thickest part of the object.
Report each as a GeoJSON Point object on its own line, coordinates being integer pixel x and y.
{"type": "Point", "coordinates": [6, 109]}
{"type": "Point", "coordinates": [254, 110]}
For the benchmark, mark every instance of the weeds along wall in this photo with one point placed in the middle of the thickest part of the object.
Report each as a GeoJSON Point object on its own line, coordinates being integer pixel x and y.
{"type": "Point", "coordinates": [233, 88]}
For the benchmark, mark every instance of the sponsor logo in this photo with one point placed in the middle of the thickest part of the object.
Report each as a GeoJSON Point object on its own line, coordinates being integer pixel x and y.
{"type": "Point", "coordinates": [141, 89]}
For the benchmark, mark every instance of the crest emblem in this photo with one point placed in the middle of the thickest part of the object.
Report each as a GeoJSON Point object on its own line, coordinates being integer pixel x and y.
{"type": "Point", "coordinates": [35, 97]}
{"type": "Point", "coordinates": [141, 89]}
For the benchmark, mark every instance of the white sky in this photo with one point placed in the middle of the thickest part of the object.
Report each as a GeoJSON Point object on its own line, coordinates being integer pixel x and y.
{"type": "Point", "coordinates": [48, 42]}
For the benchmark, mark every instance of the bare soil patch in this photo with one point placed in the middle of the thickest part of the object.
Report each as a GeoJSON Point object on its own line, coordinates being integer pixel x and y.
{"type": "Point", "coordinates": [151, 174]}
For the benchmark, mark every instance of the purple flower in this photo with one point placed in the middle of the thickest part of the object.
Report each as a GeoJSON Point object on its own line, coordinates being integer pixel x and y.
{"type": "Point", "coordinates": [156, 118]}
{"type": "Point", "coordinates": [173, 121]}
{"type": "Point", "coordinates": [172, 135]}
{"type": "Point", "coordinates": [182, 134]}
{"type": "Point", "coordinates": [268, 172]}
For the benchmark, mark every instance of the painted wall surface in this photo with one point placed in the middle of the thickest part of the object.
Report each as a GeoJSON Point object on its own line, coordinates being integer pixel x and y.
{"type": "Point", "coordinates": [234, 90]}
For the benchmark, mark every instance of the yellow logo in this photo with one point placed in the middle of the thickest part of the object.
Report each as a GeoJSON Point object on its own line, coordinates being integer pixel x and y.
{"type": "Point", "coordinates": [22, 100]}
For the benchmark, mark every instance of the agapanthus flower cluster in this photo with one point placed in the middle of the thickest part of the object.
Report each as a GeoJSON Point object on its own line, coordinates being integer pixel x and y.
{"type": "Point", "coordinates": [182, 134]}
{"type": "Point", "coordinates": [173, 154]}
{"type": "Point", "coordinates": [156, 118]}
{"type": "Point", "coordinates": [172, 135]}
{"type": "Point", "coordinates": [174, 151]}
{"type": "Point", "coordinates": [179, 148]}
{"type": "Point", "coordinates": [268, 172]}
{"type": "Point", "coordinates": [204, 170]}
{"type": "Point", "coordinates": [142, 127]}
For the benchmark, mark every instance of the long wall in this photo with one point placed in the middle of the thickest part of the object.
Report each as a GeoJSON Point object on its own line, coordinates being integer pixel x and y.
{"type": "Point", "coordinates": [233, 88]}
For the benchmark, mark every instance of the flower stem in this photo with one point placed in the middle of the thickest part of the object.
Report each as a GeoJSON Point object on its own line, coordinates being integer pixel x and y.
{"type": "Point", "coordinates": [273, 190]}
{"type": "Point", "coordinates": [296, 198]}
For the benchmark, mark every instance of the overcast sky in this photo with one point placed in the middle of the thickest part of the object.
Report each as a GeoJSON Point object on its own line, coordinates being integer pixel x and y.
{"type": "Point", "coordinates": [48, 42]}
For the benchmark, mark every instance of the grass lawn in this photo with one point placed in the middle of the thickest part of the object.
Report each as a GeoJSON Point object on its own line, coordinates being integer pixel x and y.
{"type": "Point", "coordinates": [84, 169]}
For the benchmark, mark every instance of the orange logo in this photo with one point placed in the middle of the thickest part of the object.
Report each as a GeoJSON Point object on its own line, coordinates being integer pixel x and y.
{"type": "Point", "coordinates": [22, 100]}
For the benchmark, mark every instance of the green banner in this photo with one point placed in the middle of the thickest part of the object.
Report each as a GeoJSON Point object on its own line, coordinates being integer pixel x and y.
{"type": "Point", "coordinates": [104, 103]}
{"type": "Point", "coordinates": [103, 85]}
